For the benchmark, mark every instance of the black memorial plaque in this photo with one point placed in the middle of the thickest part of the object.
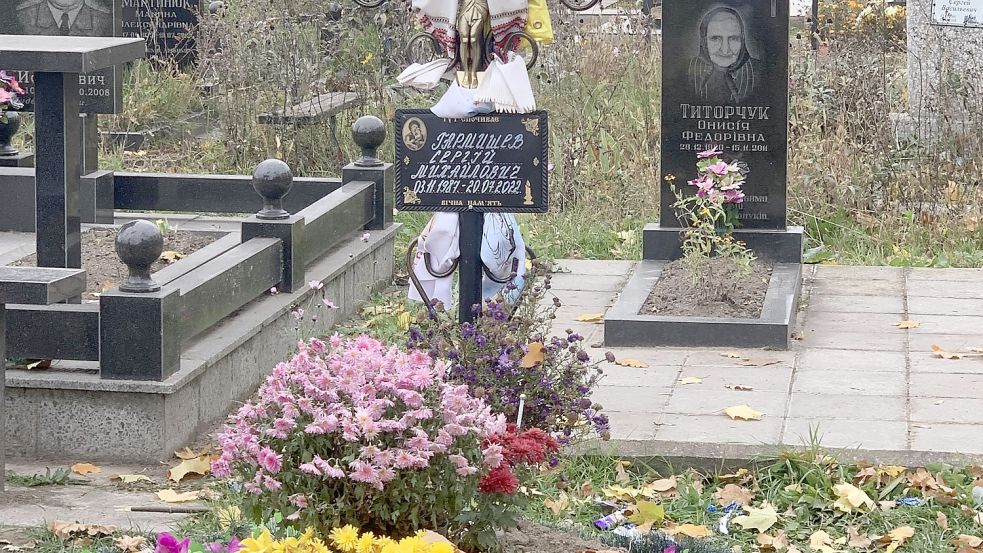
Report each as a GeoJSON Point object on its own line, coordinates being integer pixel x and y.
{"type": "Point", "coordinates": [167, 25]}
{"type": "Point", "coordinates": [101, 91]}
{"type": "Point", "coordinates": [488, 163]}
{"type": "Point", "coordinates": [725, 85]}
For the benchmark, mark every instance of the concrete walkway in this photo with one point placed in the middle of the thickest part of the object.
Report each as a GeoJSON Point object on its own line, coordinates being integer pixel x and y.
{"type": "Point", "coordinates": [853, 381]}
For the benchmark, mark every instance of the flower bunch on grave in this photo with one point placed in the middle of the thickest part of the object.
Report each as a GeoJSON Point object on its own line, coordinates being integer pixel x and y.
{"type": "Point", "coordinates": [355, 432]}
{"type": "Point", "coordinates": [9, 89]}
{"type": "Point", "coordinates": [508, 357]}
{"type": "Point", "coordinates": [709, 217]}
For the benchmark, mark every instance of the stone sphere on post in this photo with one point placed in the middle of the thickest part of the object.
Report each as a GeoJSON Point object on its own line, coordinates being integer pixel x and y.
{"type": "Point", "coordinates": [369, 132]}
{"type": "Point", "coordinates": [139, 244]}
{"type": "Point", "coordinates": [215, 7]}
{"type": "Point", "coordinates": [272, 180]}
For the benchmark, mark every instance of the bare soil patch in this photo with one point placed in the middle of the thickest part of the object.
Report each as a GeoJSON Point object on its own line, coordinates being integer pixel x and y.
{"type": "Point", "coordinates": [532, 537]}
{"type": "Point", "coordinates": [104, 270]}
{"type": "Point", "coordinates": [741, 296]}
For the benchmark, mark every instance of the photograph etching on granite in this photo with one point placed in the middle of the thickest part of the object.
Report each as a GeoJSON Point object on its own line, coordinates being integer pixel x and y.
{"type": "Point", "coordinates": [725, 75]}
{"type": "Point", "coordinates": [100, 90]}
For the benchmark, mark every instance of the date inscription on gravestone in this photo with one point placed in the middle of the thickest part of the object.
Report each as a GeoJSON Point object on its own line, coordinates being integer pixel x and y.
{"type": "Point", "coordinates": [100, 91]}
{"type": "Point", "coordinates": [958, 13]}
{"type": "Point", "coordinates": [168, 26]}
{"type": "Point", "coordinates": [488, 163]}
{"type": "Point", "coordinates": [725, 75]}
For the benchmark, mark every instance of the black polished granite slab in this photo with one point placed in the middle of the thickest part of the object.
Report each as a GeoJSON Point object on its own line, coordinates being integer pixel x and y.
{"type": "Point", "coordinates": [67, 54]}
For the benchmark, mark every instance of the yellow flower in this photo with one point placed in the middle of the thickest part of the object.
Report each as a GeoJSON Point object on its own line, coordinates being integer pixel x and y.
{"type": "Point", "coordinates": [263, 544]}
{"type": "Point", "coordinates": [442, 547]}
{"type": "Point", "coordinates": [368, 57]}
{"type": "Point", "coordinates": [345, 538]}
{"type": "Point", "coordinates": [366, 543]}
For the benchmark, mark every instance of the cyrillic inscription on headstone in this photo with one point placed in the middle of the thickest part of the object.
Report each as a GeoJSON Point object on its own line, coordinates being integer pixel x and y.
{"type": "Point", "coordinates": [959, 13]}
{"type": "Point", "coordinates": [100, 91]}
{"type": "Point", "coordinates": [725, 86]}
{"type": "Point", "coordinates": [168, 26]}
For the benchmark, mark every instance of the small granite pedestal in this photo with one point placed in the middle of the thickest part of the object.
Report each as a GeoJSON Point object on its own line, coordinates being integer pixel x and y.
{"type": "Point", "coordinates": [30, 286]}
{"type": "Point", "coordinates": [20, 159]}
{"type": "Point", "coordinates": [57, 63]}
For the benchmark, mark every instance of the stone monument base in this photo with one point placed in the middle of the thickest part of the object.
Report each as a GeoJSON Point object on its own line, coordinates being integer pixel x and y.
{"type": "Point", "coordinates": [23, 159]}
{"type": "Point", "coordinates": [624, 326]}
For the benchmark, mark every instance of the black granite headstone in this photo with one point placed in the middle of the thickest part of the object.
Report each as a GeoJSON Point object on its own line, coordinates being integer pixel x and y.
{"type": "Point", "coordinates": [725, 85]}
{"type": "Point", "coordinates": [101, 91]}
{"type": "Point", "coordinates": [168, 26]}
{"type": "Point", "coordinates": [488, 163]}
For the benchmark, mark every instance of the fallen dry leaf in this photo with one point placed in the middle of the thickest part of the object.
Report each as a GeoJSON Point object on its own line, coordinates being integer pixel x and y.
{"type": "Point", "coordinates": [663, 485]}
{"type": "Point", "coordinates": [907, 325]}
{"type": "Point", "coordinates": [762, 363]}
{"type": "Point", "coordinates": [200, 465]}
{"type": "Point", "coordinates": [743, 412]}
{"type": "Point", "coordinates": [733, 355]}
{"type": "Point", "coordinates": [631, 363]}
{"type": "Point", "coordinates": [170, 256]}
{"type": "Point", "coordinates": [64, 530]}
{"type": "Point", "coordinates": [779, 542]}
{"type": "Point", "coordinates": [691, 530]}
{"type": "Point", "coordinates": [171, 496]}
{"type": "Point", "coordinates": [186, 453]}
{"type": "Point", "coordinates": [587, 489]}
{"type": "Point", "coordinates": [967, 540]}
{"type": "Point", "coordinates": [897, 537]}
{"type": "Point", "coordinates": [558, 505]}
{"type": "Point", "coordinates": [857, 540]}
{"type": "Point", "coordinates": [536, 354]}
{"type": "Point", "coordinates": [85, 468]}
{"type": "Point", "coordinates": [733, 493]}
{"type": "Point", "coordinates": [944, 354]}
{"type": "Point", "coordinates": [941, 520]}
{"type": "Point", "coordinates": [851, 498]}
{"type": "Point", "coordinates": [620, 475]}
{"type": "Point", "coordinates": [690, 380]}
{"type": "Point", "coordinates": [821, 541]}
{"type": "Point", "coordinates": [758, 519]}
{"type": "Point", "coordinates": [739, 387]}
{"type": "Point", "coordinates": [130, 544]}
{"type": "Point", "coordinates": [130, 478]}
{"type": "Point", "coordinates": [590, 318]}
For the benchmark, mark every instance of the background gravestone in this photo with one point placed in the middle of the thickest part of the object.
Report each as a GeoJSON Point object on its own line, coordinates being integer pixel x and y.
{"type": "Point", "coordinates": [101, 91]}
{"type": "Point", "coordinates": [725, 85]}
{"type": "Point", "coordinates": [945, 54]}
{"type": "Point", "coordinates": [168, 26]}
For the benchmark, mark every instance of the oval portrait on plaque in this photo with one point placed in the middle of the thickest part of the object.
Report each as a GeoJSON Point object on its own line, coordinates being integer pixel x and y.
{"type": "Point", "coordinates": [414, 134]}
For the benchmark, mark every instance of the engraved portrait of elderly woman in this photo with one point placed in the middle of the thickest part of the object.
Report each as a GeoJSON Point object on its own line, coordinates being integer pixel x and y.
{"type": "Point", "coordinates": [724, 72]}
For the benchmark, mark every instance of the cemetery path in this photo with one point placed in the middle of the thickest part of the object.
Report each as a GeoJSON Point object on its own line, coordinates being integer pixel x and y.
{"type": "Point", "coordinates": [100, 501]}
{"type": "Point", "coordinates": [853, 380]}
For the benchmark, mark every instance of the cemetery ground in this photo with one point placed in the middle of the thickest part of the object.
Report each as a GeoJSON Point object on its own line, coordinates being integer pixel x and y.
{"type": "Point", "coordinates": [868, 436]}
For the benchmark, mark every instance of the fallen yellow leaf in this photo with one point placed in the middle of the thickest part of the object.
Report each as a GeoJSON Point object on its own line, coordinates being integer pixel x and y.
{"type": "Point", "coordinates": [200, 465]}
{"type": "Point", "coordinates": [590, 318]}
{"type": "Point", "coordinates": [907, 325]}
{"type": "Point", "coordinates": [732, 355]}
{"type": "Point", "coordinates": [743, 412]}
{"type": "Point", "coordinates": [85, 468]}
{"type": "Point", "coordinates": [821, 541]}
{"type": "Point", "coordinates": [631, 363]}
{"type": "Point", "coordinates": [559, 505]}
{"type": "Point", "coordinates": [691, 530]}
{"type": "Point", "coordinates": [851, 498]}
{"type": "Point", "coordinates": [690, 380]}
{"type": "Point", "coordinates": [171, 496]}
{"type": "Point", "coordinates": [185, 454]}
{"type": "Point", "coordinates": [758, 519]}
{"type": "Point", "coordinates": [534, 355]}
{"type": "Point", "coordinates": [130, 478]}
{"type": "Point", "coordinates": [945, 354]}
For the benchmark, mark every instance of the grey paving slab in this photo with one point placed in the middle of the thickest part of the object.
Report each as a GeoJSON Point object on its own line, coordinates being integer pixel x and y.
{"type": "Point", "coordinates": [652, 377]}
{"type": "Point", "coordinates": [633, 426]}
{"type": "Point", "coordinates": [865, 383]}
{"type": "Point", "coordinates": [761, 379]}
{"type": "Point", "coordinates": [653, 356]}
{"type": "Point", "coordinates": [696, 400]}
{"type": "Point", "coordinates": [857, 273]}
{"type": "Point", "coordinates": [919, 274]}
{"type": "Point", "coordinates": [15, 245]}
{"type": "Point", "coordinates": [855, 304]}
{"type": "Point", "coordinates": [740, 358]}
{"type": "Point", "coordinates": [923, 341]}
{"type": "Point", "coordinates": [961, 438]}
{"type": "Point", "coordinates": [944, 306]}
{"type": "Point", "coordinates": [824, 359]}
{"type": "Point", "coordinates": [952, 410]}
{"type": "Point", "coordinates": [949, 324]}
{"type": "Point", "coordinates": [947, 385]}
{"type": "Point", "coordinates": [847, 407]}
{"type": "Point", "coordinates": [860, 341]}
{"type": "Point", "coordinates": [946, 289]}
{"type": "Point", "coordinates": [926, 362]}
{"type": "Point", "coordinates": [860, 434]}
{"type": "Point", "coordinates": [633, 399]}
{"type": "Point", "coordinates": [830, 287]}
{"type": "Point", "coordinates": [853, 322]}
{"type": "Point", "coordinates": [584, 298]}
{"type": "Point", "coordinates": [593, 268]}
{"type": "Point", "coordinates": [719, 429]}
{"type": "Point", "coordinates": [603, 283]}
